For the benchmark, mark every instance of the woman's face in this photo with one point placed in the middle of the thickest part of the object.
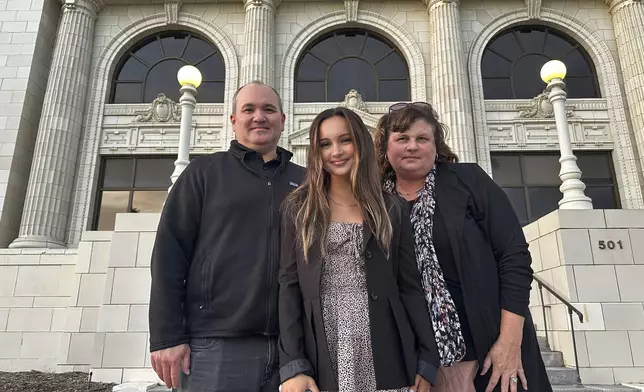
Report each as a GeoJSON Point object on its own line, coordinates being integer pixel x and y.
{"type": "Point", "coordinates": [412, 153]}
{"type": "Point", "coordinates": [336, 146]}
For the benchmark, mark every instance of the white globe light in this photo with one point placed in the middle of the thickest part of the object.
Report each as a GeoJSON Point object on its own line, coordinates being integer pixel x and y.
{"type": "Point", "coordinates": [189, 75]}
{"type": "Point", "coordinates": [553, 69]}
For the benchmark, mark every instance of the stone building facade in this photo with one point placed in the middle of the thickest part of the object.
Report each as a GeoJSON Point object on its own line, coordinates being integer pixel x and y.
{"type": "Point", "coordinates": [89, 126]}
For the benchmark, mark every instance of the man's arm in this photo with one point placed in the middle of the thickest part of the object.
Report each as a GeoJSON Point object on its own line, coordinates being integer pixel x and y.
{"type": "Point", "coordinates": [172, 254]}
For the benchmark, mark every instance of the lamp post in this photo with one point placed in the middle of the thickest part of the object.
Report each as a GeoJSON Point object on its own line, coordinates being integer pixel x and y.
{"type": "Point", "coordinates": [553, 73]}
{"type": "Point", "coordinates": [189, 78]}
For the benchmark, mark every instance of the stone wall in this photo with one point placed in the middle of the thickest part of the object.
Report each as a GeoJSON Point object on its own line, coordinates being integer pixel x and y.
{"type": "Point", "coordinates": [27, 34]}
{"type": "Point", "coordinates": [595, 260]}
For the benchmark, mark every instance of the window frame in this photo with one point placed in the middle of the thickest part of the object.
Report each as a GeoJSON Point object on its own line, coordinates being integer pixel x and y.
{"type": "Point", "coordinates": [100, 188]}
{"type": "Point", "coordinates": [393, 49]}
{"type": "Point", "coordinates": [525, 187]}
{"type": "Point", "coordinates": [574, 46]}
{"type": "Point", "coordinates": [157, 37]}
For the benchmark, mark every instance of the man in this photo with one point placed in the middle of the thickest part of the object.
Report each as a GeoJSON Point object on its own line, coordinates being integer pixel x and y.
{"type": "Point", "coordinates": [213, 303]}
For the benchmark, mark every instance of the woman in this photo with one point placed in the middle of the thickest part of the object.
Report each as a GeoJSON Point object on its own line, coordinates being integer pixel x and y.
{"type": "Point", "coordinates": [472, 255]}
{"type": "Point", "coordinates": [351, 308]}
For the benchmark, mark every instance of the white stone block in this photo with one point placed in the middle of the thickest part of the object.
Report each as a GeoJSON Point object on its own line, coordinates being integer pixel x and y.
{"type": "Point", "coordinates": [637, 244]}
{"type": "Point", "coordinates": [535, 255]}
{"type": "Point", "coordinates": [80, 349]}
{"type": "Point", "coordinates": [563, 278]}
{"type": "Point", "coordinates": [123, 250]}
{"type": "Point", "coordinates": [609, 348]}
{"type": "Point", "coordinates": [44, 281]}
{"type": "Point", "coordinates": [84, 257]}
{"type": "Point", "coordinates": [74, 316]}
{"type": "Point", "coordinates": [144, 251]}
{"type": "Point", "coordinates": [89, 319]}
{"type": "Point", "coordinates": [113, 318]}
{"type": "Point", "coordinates": [16, 302]}
{"type": "Point", "coordinates": [611, 246]}
{"type": "Point", "coordinates": [92, 288]}
{"type": "Point", "coordinates": [4, 317]}
{"type": "Point", "coordinates": [574, 246]}
{"type": "Point", "coordinates": [8, 276]}
{"type": "Point", "coordinates": [139, 318]}
{"type": "Point", "coordinates": [59, 320]}
{"type": "Point", "coordinates": [107, 375]}
{"type": "Point", "coordinates": [10, 344]}
{"type": "Point", "coordinates": [32, 320]}
{"type": "Point", "coordinates": [565, 345]}
{"type": "Point", "coordinates": [549, 249]}
{"type": "Point", "coordinates": [131, 286]}
{"type": "Point", "coordinates": [571, 219]}
{"type": "Point", "coordinates": [630, 278]}
{"type": "Point", "coordinates": [40, 345]}
{"type": "Point", "coordinates": [624, 317]}
{"type": "Point", "coordinates": [124, 350]}
{"type": "Point", "coordinates": [100, 257]}
{"type": "Point", "coordinates": [629, 375]}
{"type": "Point", "coordinates": [141, 375]}
{"type": "Point", "coordinates": [137, 222]}
{"type": "Point", "coordinates": [596, 283]}
{"type": "Point", "coordinates": [628, 219]}
{"type": "Point", "coordinates": [597, 376]}
{"type": "Point", "coordinates": [51, 302]}
{"type": "Point", "coordinates": [637, 347]}
{"type": "Point", "coordinates": [140, 386]}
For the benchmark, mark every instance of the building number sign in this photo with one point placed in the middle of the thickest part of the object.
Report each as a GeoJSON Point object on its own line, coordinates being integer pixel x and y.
{"type": "Point", "coordinates": [610, 244]}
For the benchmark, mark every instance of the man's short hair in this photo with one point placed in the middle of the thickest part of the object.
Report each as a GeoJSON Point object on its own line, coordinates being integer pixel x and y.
{"type": "Point", "coordinates": [259, 83]}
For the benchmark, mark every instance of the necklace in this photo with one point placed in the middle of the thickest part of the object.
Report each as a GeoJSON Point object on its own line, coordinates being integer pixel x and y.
{"type": "Point", "coordinates": [343, 205]}
{"type": "Point", "coordinates": [408, 193]}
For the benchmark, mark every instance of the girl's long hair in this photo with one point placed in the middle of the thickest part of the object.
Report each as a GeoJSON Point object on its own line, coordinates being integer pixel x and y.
{"type": "Point", "coordinates": [309, 203]}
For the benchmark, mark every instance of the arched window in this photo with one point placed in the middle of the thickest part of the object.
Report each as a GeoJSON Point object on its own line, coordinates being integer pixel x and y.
{"type": "Point", "coordinates": [513, 59]}
{"type": "Point", "coordinates": [351, 59]}
{"type": "Point", "coordinates": [151, 66]}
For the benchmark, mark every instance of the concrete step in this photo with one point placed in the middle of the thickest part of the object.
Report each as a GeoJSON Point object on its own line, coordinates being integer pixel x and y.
{"type": "Point", "coordinates": [552, 358]}
{"type": "Point", "coordinates": [562, 375]}
{"type": "Point", "coordinates": [543, 344]}
{"type": "Point", "coordinates": [591, 388]}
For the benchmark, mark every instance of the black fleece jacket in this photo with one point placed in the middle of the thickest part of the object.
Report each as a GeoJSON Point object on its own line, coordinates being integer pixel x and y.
{"type": "Point", "coordinates": [215, 260]}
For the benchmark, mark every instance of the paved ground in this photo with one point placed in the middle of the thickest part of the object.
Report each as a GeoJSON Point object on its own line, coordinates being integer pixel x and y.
{"type": "Point", "coordinates": [49, 382]}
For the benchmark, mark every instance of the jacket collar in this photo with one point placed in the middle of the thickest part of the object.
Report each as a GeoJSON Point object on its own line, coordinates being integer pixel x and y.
{"type": "Point", "coordinates": [240, 151]}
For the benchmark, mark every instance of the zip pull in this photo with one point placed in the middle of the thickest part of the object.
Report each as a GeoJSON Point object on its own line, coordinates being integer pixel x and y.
{"type": "Point", "coordinates": [269, 183]}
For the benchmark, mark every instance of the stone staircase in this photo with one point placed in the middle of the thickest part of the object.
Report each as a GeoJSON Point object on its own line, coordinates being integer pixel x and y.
{"type": "Point", "coordinates": [566, 379]}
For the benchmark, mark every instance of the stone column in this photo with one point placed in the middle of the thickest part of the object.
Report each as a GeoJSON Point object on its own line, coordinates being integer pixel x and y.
{"type": "Point", "coordinates": [48, 200]}
{"type": "Point", "coordinates": [259, 47]}
{"type": "Point", "coordinates": [628, 22]}
{"type": "Point", "coordinates": [449, 80]}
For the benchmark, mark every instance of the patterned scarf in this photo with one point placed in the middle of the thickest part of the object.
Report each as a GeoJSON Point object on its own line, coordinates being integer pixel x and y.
{"type": "Point", "coordinates": [447, 327]}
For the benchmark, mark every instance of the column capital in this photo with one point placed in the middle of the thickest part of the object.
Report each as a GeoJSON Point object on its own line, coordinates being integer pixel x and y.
{"type": "Point", "coordinates": [615, 5]}
{"type": "Point", "coordinates": [92, 6]}
{"type": "Point", "coordinates": [434, 3]}
{"type": "Point", "coordinates": [262, 3]}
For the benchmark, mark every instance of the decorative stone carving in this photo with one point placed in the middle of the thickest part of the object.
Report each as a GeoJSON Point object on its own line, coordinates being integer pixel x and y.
{"type": "Point", "coordinates": [540, 107]}
{"type": "Point", "coordinates": [162, 109]}
{"type": "Point", "coordinates": [534, 8]}
{"type": "Point", "coordinates": [351, 9]}
{"type": "Point", "coordinates": [172, 11]}
{"type": "Point", "coordinates": [353, 100]}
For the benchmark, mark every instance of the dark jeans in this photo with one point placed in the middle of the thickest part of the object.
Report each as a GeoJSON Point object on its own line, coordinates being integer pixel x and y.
{"type": "Point", "coordinates": [248, 364]}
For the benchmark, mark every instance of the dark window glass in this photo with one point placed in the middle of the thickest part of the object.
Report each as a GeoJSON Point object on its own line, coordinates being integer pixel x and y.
{"type": "Point", "coordinates": [543, 200]}
{"type": "Point", "coordinates": [517, 199]}
{"type": "Point", "coordinates": [531, 181]}
{"type": "Point", "coordinates": [353, 72]}
{"type": "Point", "coordinates": [132, 184]}
{"type": "Point", "coordinates": [506, 169]}
{"type": "Point", "coordinates": [152, 65]}
{"type": "Point", "coordinates": [351, 59]}
{"type": "Point", "coordinates": [512, 62]}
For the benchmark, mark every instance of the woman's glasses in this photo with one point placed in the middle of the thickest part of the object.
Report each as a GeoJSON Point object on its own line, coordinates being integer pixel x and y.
{"type": "Point", "coordinates": [403, 105]}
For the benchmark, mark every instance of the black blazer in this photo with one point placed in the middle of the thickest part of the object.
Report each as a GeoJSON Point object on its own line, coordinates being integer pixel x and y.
{"type": "Point", "coordinates": [493, 262]}
{"type": "Point", "coordinates": [402, 338]}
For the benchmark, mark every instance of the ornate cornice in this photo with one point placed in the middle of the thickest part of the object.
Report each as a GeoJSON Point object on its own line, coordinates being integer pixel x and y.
{"type": "Point", "coordinates": [616, 5]}
{"type": "Point", "coordinates": [434, 3]}
{"type": "Point", "coordinates": [351, 9]}
{"type": "Point", "coordinates": [91, 6]}
{"type": "Point", "coordinates": [261, 3]}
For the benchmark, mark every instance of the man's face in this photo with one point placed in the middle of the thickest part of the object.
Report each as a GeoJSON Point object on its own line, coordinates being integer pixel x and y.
{"type": "Point", "coordinates": [257, 121]}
